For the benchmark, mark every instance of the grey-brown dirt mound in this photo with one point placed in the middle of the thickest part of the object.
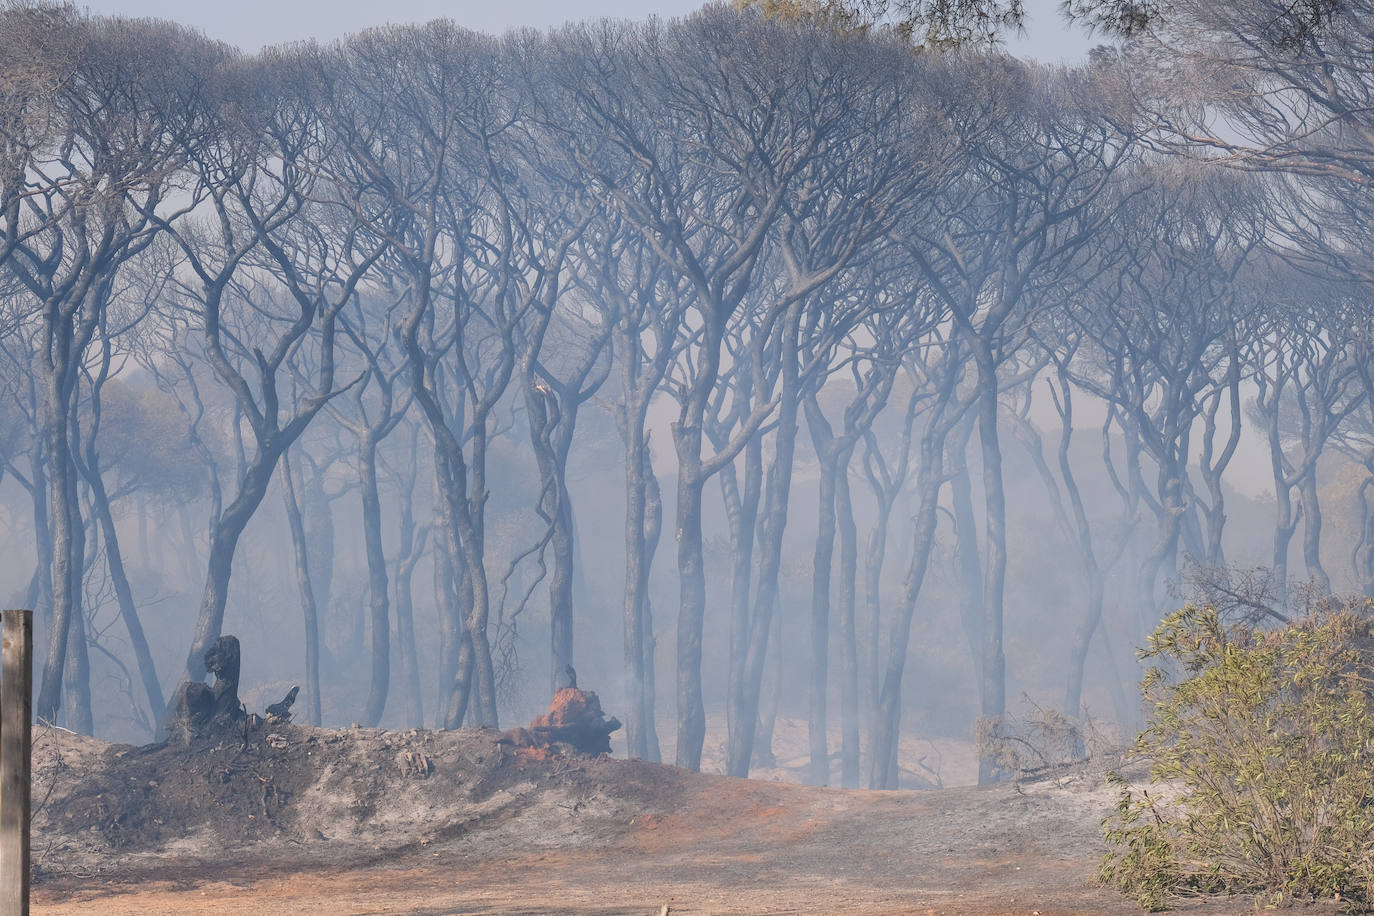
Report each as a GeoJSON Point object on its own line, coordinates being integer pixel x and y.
{"type": "Point", "coordinates": [295, 794]}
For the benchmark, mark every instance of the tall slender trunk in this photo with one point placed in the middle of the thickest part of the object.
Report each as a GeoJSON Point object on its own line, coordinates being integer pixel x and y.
{"type": "Point", "coordinates": [849, 671]}
{"type": "Point", "coordinates": [466, 532]}
{"type": "Point", "coordinates": [636, 586]}
{"type": "Point", "coordinates": [653, 530]}
{"type": "Point", "coordinates": [1214, 468]}
{"type": "Point", "coordinates": [1285, 519]}
{"type": "Point", "coordinates": [1163, 556]}
{"type": "Point", "coordinates": [563, 545]}
{"type": "Point", "coordinates": [378, 588]}
{"type": "Point", "coordinates": [66, 590]}
{"type": "Point", "coordinates": [461, 699]}
{"type": "Point", "coordinates": [1091, 620]}
{"type": "Point", "coordinates": [875, 555]}
{"type": "Point", "coordinates": [824, 556]}
{"type": "Point", "coordinates": [77, 676]}
{"type": "Point", "coordinates": [128, 610]}
{"type": "Point", "coordinates": [407, 558]}
{"type": "Point", "coordinates": [883, 772]}
{"type": "Point", "coordinates": [305, 587]}
{"type": "Point", "coordinates": [450, 621]}
{"type": "Point", "coordinates": [770, 701]}
{"type": "Point", "coordinates": [993, 694]}
{"type": "Point", "coordinates": [1363, 556]}
{"type": "Point", "coordinates": [777, 493]}
{"type": "Point", "coordinates": [687, 440]}
{"type": "Point", "coordinates": [742, 510]}
{"type": "Point", "coordinates": [966, 553]}
{"type": "Point", "coordinates": [551, 421]}
{"type": "Point", "coordinates": [223, 543]}
{"type": "Point", "coordinates": [691, 728]}
{"type": "Point", "coordinates": [39, 595]}
{"type": "Point", "coordinates": [1312, 533]}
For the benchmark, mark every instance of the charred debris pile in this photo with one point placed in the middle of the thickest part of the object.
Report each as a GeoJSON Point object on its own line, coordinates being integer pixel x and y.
{"type": "Point", "coordinates": [226, 777]}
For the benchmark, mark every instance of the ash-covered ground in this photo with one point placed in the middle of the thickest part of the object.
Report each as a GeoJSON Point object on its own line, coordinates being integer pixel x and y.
{"type": "Point", "coordinates": [290, 819]}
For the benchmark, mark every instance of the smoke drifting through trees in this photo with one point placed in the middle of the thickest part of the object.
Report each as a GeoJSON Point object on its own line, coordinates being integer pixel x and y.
{"type": "Point", "coordinates": [379, 274]}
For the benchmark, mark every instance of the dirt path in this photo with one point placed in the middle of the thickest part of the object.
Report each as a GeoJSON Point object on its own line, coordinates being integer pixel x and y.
{"type": "Point", "coordinates": [614, 836]}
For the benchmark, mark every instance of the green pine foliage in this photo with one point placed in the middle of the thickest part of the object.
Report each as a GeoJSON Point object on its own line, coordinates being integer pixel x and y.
{"type": "Point", "coordinates": [1262, 778]}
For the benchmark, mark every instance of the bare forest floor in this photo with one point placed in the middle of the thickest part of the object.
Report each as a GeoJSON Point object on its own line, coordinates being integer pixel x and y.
{"type": "Point", "coordinates": [291, 820]}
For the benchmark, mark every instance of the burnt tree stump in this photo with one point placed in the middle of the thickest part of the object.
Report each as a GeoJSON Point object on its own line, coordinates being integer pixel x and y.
{"type": "Point", "coordinates": [207, 711]}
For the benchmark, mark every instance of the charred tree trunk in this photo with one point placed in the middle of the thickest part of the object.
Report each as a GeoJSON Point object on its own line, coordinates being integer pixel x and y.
{"type": "Point", "coordinates": [687, 440]}
{"type": "Point", "coordinates": [777, 493]}
{"type": "Point", "coordinates": [653, 531]}
{"type": "Point", "coordinates": [966, 557]}
{"type": "Point", "coordinates": [849, 672]}
{"type": "Point", "coordinates": [994, 685]}
{"type": "Point", "coordinates": [412, 547]}
{"type": "Point", "coordinates": [1286, 519]}
{"type": "Point", "coordinates": [1091, 620]}
{"type": "Point", "coordinates": [875, 555]}
{"type": "Point", "coordinates": [768, 705]}
{"type": "Point", "coordinates": [77, 676]}
{"type": "Point", "coordinates": [223, 543]}
{"type": "Point", "coordinates": [65, 583]}
{"type": "Point", "coordinates": [379, 598]}
{"type": "Point", "coordinates": [742, 512]}
{"type": "Point", "coordinates": [39, 596]}
{"type": "Point", "coordinates": [824, 556]}
{"type": "Point", "coordinates": [691, 728]}
{"type": "Point", "coordinates": [637, 562]}
{"type": "Point", "coordinates": [306, 588]}
{"type": "Point", "coordinates": [552, 416]}
{"type": "Point", "coordinates": [1312, 533]}
{"type": "Point", "coordinates": [883, 759]}
{"type": "Point", "coordinates": [128, 610]}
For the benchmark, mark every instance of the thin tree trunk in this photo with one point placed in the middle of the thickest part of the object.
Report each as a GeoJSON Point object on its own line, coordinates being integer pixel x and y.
{"type": "Point", "coordinates": [411, 549]}
{"type": "Point", "coordinates": [80, 716]}
{"type": "Point", "coordinates": [304, 586]}
{"type": "Point", "coordinates": [223, 544]}
{"type": "Point", "coordinates": [849, 674]}
{"type": "Point", "coordinates": [66, 597]}
{"type": "Point", "coordinates": [1091, 621]}
{"type": "Point", "coordinates": [639, 717]}
{"type": "Point", "coordinates": [768, 706]}
{"type": "Point", "coordinates": [1286, 520]}
{"type": "Point", "coordinates": [819, 770]}
{"type": "Point", "coordinates": [874, 556]}
{"type": "Point", "coordinates": [883, 758]}
{"type": "Point", "coordinates": [563, 544]}
{"type": "Point", "coordinates": [777, 493]}
{"type": "Point", "coordinates": [379, 597]}
{"type": "Point", "coordinates": [691, 728]}
{"type": "Point", "coordinates": [994, 684]}
{"type": "Point", "coordinates": [128, 611]}
{"type": "Point", "coordinates": [450, 625]}
{"type": "Point", "coordinates": [743, 512]}
{"type": "Point", "coordinates": [1312, 533]}
{"type": "Point", "coordinates": [966, 557]}
{"type": "Point", "coordinates": [653, 530]}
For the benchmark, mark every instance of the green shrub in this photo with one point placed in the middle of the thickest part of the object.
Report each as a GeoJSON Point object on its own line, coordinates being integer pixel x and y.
{"type": "Point", "coordinates": [1262, 750]}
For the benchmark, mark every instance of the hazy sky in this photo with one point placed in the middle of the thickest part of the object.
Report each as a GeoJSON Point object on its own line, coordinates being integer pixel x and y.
{"type": "Point", "coordinates": [250, 24]}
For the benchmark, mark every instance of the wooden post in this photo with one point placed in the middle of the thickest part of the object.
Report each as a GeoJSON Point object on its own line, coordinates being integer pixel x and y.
{"type": "Point", "coordinates": [16, 701]}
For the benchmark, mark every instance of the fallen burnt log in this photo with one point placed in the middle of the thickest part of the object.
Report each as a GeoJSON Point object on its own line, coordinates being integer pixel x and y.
{"type": "Point", "coordinates": [574, 722]}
